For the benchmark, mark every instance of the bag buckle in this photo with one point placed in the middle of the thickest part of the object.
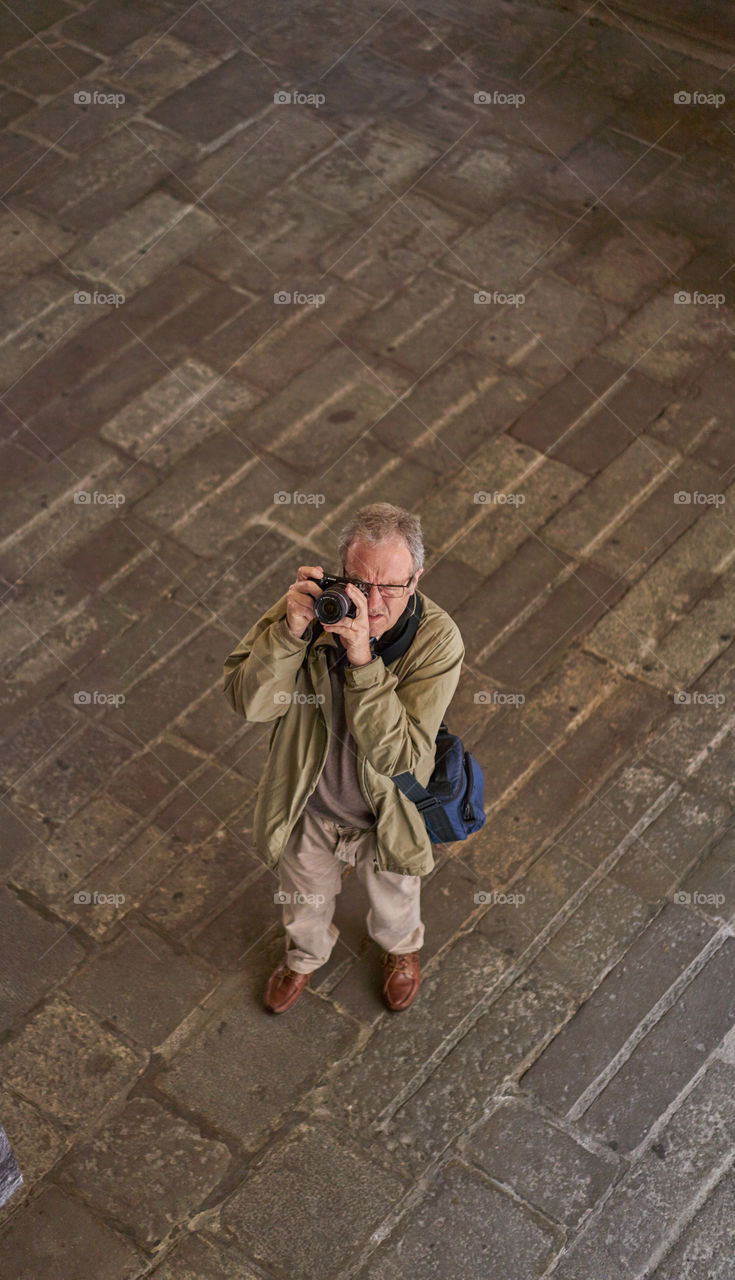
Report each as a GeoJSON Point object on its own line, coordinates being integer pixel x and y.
{"type": "Point", "coordinates": [430, 803]}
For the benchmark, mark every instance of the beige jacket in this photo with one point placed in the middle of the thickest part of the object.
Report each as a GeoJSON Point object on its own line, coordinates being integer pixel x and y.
{"type": "Point", "coordinates": [392, 712]}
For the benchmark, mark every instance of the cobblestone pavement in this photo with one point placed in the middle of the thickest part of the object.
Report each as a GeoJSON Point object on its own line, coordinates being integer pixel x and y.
{"type": "Point", "coordinates": [507, 233]}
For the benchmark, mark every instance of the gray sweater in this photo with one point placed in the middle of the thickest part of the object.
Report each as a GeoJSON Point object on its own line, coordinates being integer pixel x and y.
{"type": "Point", "coordinates": [337, 795]}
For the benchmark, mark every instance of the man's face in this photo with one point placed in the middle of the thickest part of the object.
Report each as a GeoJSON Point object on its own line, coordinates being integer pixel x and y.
{"type": "Point", "coordinates": [390, 561]}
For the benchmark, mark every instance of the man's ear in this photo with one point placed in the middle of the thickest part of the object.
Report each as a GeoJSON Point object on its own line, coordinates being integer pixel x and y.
{"type": "Point", "coordinates": [417, 575]}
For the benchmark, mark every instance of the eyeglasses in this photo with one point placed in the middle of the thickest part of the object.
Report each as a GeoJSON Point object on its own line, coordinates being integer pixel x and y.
{"type": "Point", "coordinates": [388, 590]}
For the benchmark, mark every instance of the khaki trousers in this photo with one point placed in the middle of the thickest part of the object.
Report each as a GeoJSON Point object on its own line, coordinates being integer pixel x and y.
{"type": "Point", "coordinates": [310, 877]}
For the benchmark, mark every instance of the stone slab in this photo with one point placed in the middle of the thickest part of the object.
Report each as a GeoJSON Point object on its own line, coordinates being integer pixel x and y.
{"type": "Point", "coordinates": [664, 1185]}
{"type": "Point", "coordinates": [704, 1250]}
{"type": "Point", "coordinates": [68, 1064]}
{"type": "Point", "coordinates": [499, 1046]}
{"type": "Point", "coordinates": [266, 1063]}
{"type": "Point", "coordinates": [585, 1046]}
{"type": "Point", "coordinates": [197, 1257]}
{"type": "Point", "coordinates": [466, 1222]}
{"type": "Point", "coordinates": [37, 953]}
{"type": "Point", "coordinates": [146, 1168]}
{"type": "Point", "coordinates": [399, 1049]}
{"type": "Point", "coordinates": [668, 1057]}
{"type": "Point", "coordinates": [541, 1163]}
{"type": "Point", "coordinates": [339, 1182]}
{"type": "Point", "coordinates": [56, 1231]}
{"type": "Point", "coordinates": [141, 986]}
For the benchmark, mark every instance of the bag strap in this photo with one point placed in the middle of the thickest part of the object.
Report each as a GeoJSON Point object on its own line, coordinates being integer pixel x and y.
{"type": "Point", "coordinates": [412, 790]}
{"type": "Point", "coordinates": [317, 629]}
{"type": "Point", "coordinates": [427, 805]}
{"type": "Point", "coordinates": [411, 787]}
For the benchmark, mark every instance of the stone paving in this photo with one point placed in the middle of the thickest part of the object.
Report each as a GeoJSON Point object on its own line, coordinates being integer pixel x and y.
{"type": "Point", "coordinates": [261, 264]}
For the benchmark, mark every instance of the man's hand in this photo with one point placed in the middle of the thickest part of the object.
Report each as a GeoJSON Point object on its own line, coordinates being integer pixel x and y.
{"type": "Point", "coordinates": [300, 598]}
{"type": "Point", "coordinates": [355, 632]}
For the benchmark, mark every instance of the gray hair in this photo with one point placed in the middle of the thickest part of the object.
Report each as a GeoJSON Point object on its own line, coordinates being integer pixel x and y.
{"type": "Point", "coordinates": [379, 522]}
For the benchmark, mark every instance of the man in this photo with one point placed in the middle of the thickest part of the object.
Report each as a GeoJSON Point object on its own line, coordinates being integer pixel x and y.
{"type": "Point", "coordinates": [354, 702]}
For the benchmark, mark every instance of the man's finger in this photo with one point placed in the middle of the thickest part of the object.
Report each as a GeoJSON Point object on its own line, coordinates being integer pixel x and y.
{"type": "Point", "coordinates": [307, 588]}
{"type": "Point", "coordinates": [309, 571]}
{"type": "Point", "coordinates": [357, 596]}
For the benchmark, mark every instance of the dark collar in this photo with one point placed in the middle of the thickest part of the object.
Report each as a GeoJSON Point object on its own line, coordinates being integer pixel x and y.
{"type": "Point", "coordinates": [398, 638]}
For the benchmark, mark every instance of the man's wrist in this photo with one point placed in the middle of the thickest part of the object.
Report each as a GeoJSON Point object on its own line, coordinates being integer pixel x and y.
{"type": "Point", "coordinates": [365, 676]}
{"type": "Point", "coordinates": [362, 661]}
{"type": "Point", "coordinates": [283, 632]}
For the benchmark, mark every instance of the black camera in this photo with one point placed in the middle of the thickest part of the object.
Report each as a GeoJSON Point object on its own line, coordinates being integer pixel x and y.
{"type": "Point", "coordinates": [333, 604]}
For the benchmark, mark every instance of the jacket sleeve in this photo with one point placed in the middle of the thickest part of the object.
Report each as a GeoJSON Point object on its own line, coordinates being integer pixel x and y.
{"type": "Point", "coordinates": [393, 723]}
{"type": "Point", "coordinates": [260, 674]}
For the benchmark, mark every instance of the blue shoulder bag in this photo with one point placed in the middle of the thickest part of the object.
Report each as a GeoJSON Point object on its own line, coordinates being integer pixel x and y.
{"type": "Point", "coordinates": [453, 804]}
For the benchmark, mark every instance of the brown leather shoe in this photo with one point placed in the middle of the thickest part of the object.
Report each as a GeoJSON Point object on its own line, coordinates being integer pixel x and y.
{"type": "Point", "coordinates": [284, 988]}
{"type": "Point", "coordinates": [402, 978]}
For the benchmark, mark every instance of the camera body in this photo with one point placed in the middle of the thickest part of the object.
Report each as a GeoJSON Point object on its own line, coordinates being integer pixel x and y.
{"type": "Point", "coordinates": [333, 604]}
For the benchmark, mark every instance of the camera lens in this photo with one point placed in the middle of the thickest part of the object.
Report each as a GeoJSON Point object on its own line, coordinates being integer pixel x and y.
{"type": "Point", "coordinates": [333, 605]}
